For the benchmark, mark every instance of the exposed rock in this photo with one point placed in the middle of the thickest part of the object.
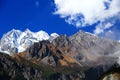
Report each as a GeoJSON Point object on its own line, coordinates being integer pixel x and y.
{"type": "Point", "coordinates": [111, 74]}
{"type": "Point", "coordinates": [46, 53]}
{"type": "Point", "coordinates": [18, 68]}
{"type": "Point", "coordinates": [87, 48]}
{"type": "Point", "coordinates": [10, 69]}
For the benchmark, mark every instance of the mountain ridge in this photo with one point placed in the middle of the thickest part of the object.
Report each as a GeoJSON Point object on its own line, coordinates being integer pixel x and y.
{"type": "Point", "coordinates": [67, 57]}
{"type": "Point", "coordinates": [18, 41]}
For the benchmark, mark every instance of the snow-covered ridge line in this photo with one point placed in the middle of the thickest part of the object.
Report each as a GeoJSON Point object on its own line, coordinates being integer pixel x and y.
{"type": "Point", "coordinates": [18, 41]}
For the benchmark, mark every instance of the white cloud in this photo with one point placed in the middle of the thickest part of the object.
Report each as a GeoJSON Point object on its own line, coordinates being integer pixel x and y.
{"type": "Point", "coordinates": [37, 3]}
{"type": "Point", "coordinates": [111, 34]}
{"type": "Point", "coordinates": [87, 12]}
{"type": "Point", "coordinates": [98, 30]}
{"type": "Point", "coordinates": [102, 26]}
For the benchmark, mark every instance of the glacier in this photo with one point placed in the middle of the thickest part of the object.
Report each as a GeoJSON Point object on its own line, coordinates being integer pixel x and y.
{"type": "Point", "coordinates": [16, 41]}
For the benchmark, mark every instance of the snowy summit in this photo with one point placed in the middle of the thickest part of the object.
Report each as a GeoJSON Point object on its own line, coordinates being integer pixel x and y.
{"type": "Point", "coordinates": [18, 41]}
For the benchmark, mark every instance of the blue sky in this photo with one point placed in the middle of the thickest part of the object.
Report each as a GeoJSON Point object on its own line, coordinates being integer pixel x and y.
{"type": "Point", "coordinates": [45, 15]}
{"type": "Point", "coordinates": [22, 14]}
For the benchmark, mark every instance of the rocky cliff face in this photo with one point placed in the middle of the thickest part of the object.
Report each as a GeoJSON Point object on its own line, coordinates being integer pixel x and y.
{"type": "Point", "coordinates": [11, 69]}
{"type": "Point", "coordinates": [18, 68]}
{"type": "Point", "coordinates": [46, 53]}
{"type": "Point", "coordinates": [111, 74]}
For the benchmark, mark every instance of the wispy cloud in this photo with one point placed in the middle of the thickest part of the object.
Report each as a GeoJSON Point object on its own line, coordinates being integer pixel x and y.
{"type": "Point", "coordinates": [88, 12]}
{"type": "Point", "coordinates": [37, 3]}
{"type": "Point", "coordinates": [112, 33]}
{"type": "Point", "coordinates": [102, 26]}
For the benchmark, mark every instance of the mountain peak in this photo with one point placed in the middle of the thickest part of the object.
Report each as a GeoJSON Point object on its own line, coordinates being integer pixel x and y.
{"type": "Point", "coordinates": [81, 32]}
{"type": "Point", "coordinates": [27, 31]}
{"type": "Point", "coordinates": [42, 35]}
{"type": "Point", "coordinates": [15, 30]}
{"type": "Point", "coordinates": [54, 35]}
{"type": "Point", "coordinates": [41, 32]}
{"type": "Point", "coordinates": [12, 34]}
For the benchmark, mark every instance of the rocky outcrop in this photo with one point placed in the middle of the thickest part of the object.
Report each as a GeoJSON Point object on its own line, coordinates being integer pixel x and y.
{"type": "Point", "coordinates": [46, 53]}
{"type": "Point", "coordinates": [18, 68]}
{"type": "Point", "coordinates": [10, 69]}
{"type": "Point", "coordinates": [111, 74]}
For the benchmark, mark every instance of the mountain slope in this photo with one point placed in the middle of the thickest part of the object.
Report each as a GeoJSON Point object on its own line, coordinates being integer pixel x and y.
{"type": "Point", "coordinates": [46, 53]}
{"type": "Point", "coordinates": [18, 68]}
{"type": "Point", "coordinates": [88, 48]}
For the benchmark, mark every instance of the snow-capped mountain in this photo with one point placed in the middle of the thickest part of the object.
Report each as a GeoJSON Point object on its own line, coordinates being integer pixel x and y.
{"type": "Point", "coordinates": [18, 41]}
{"type": "Point", "coordinates": [53, 36]}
